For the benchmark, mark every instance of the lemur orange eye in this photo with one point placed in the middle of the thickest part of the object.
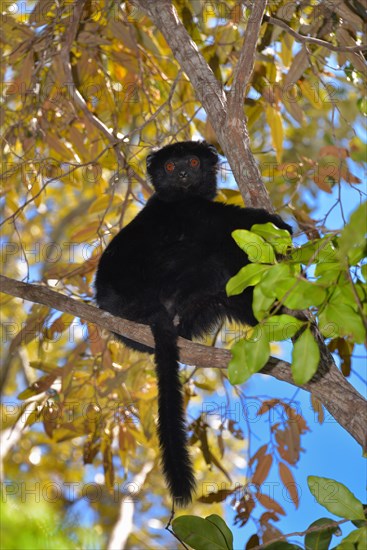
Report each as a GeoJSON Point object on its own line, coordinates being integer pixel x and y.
{"type": "Point", "coordinates": [194, 162]}
{"type": "Point", "coordinates": [169, 166]}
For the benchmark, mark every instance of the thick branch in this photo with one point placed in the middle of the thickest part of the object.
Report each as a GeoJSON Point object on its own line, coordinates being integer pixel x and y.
{"type": "Point", "coordinates": [235, 130]}
{"type": "Point", "coordinates": [245, 64]}
{"type": "Point", "coordinates": [338, 396]}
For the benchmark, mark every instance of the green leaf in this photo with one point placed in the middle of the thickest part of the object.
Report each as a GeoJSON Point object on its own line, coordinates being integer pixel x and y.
{"type": "Point", "coordinates": [362, 105]}
{"type": "Point", "coordinates": [298, 293]}
{"type": "Point", "coordinates": [335, 497]}
{"type": "Point", "coordinates": [344, 294]}
{"type": "Point", "coordinates": [257, 250]}
{"type": "Point", "coordinates": [280, 239]}
{"type": "Point", "coordinates": [320, 540]}
{"type": "Point", "coordinates": [327, 273]}
{"type": "Point", "coordinates": [248, 357]}
{"type": "Point", "coordinates": [357, 149]}
{"type": "Point", "coordinates": [342, 320]}
{"type": "Point", "coordinates": [249, 275]}
{"type": "Point", "coordinates": [202, 534]}
{"type": "Point", "coordinates": [356, 540]}
{"type": "Point", "coordinates": [261, 303]}
{"type": "Point", "coordinates": [354, 233]}
{"type": "Point", "coordinates": [224, 529]}
{"type": "Point", "coordinates": [271, 278]}
{"type": "Point", "coordinates": [319, 251]}
{"type": "Point", "coordinates": [281, 327]}
{"type": "Point", "coordinates": [356, 254]}
{"type": "Point", "coordinates": [305, 358]}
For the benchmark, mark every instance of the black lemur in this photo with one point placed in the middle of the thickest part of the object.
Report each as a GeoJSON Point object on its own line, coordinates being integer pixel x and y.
{"type": "Point", "coordinates": [168, 268]}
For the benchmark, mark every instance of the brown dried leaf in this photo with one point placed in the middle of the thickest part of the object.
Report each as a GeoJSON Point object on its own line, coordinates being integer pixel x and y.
{"type": "Point", "coordinates": [108, 467]}
{"type": "Point", "coordinates": [262, 470]}
{"type": "Point", "coordinates": [287, 479]}
{"type": "Point", "coordinates": [293, 441]}
{"type": "Point", "coordinates": [356, 58]}
{"type": "Point", "coordinates": [218, 496]}
{"type": "Point", "coordinates": [334, 151]}
{"type": "Point", "coordinates": [267, 516]}
{"type": "Point", "coordinates": [25, 73]}
{"type": "Point", "coordinates": [345, 349]}
{"type": "Point", "coordinates": [244, 508]}
{"type": "Point", "coordinates": [318, 409]}
{"type": "Point", "coordinates": [57, 327]}
{"type": "Point", "coordinates": [269, 503]}
{"type": "Point", "coordinates": [90, 450]}
{"type": "Point", "coordinates": [286, 447]}
{"type": "Point", "coordinates": [203, 438]}
{"type": "Point", "coordinates": [348, 176]}
{"type": "Point", "coordinates": [220, 445]}
{"type": "Point", "coordinates": [298, 67]}
{"type": "Point", "coordinates": [320, 178]}
{"type": "Point", "coordinates": [259, 453]}
{"type": "Point", "coordinates": [40, 385]}
{"type": "Point", "coordinates": [267, 405]}
{"type": "Point", "coordinates": [97, 343]}
{"type": "Point", "coordinates": [126, 440]}
{"type": "Point", "coordinates": [252, 542]}
{"type": "Point", "coordinates": [302, 425]}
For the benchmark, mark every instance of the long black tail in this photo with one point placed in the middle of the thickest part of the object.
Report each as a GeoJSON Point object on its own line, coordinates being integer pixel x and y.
{"type": "Point", "coordinates": [176, 461]}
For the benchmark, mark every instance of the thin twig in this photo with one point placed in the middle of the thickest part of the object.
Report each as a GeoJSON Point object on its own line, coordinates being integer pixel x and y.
{"type": "Point", "coordinates": [312, 40]}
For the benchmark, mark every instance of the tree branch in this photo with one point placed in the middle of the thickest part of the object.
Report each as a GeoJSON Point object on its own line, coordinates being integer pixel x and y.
{"type": "Point", "coordinates": [236, 125]}
{"type": "Point", "coordinates": [245, 64]}
{"type": "Point", "coordinates": [339, 397]}
{"type": "Point", "coordinates": [312, 40]}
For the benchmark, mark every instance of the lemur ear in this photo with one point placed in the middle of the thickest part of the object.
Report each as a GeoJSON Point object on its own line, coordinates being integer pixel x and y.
{"type": "Point", "coordinates": [211, 148]}
{"type": "Point", "coordinates": [149, 159]}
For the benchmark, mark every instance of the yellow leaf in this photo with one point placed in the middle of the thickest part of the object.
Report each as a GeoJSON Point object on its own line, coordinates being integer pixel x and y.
{"type": "Point", "coordinates": [13, 205]}
{"type": "Point", "coordinates": [286, 51]}
{"type": "Point", "coordinates": [274, 120]}
{"type": "Point", "coordinates": [57, 146]}
{"type": "Point", "coordinates": [35, 190]}
{"type": "Point", "coordinates": [102, 203]}
{"type": "Point", "coordinates": [88, 233]}
{"type": "Point", "coordinates": [253, 114]}
{"type": "Point", "coordinates": [311, 93]}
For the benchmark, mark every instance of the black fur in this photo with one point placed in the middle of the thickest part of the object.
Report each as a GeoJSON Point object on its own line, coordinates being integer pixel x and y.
{"type": "Point", "coordinates": [168, 268]}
